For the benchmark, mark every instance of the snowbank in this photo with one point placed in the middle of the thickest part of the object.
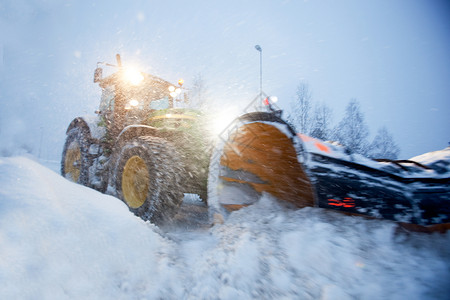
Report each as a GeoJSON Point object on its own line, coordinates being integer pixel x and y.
{"type": "Point", "coordinates": [59, 240]}
{"type": "Point", "coordinates": [431, 157]}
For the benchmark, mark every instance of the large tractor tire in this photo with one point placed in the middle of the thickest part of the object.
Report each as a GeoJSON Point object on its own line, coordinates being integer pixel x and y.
{"type": "Point", "coordinates": [261, 154]}
{"type": "Point", "coordinates": [75, 161]}
{"type": "Point", "coordinates": [147, 177]}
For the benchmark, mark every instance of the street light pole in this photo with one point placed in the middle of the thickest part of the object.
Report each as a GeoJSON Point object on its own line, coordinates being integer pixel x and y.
{"type": "Point", "coordinates": [258, 47]}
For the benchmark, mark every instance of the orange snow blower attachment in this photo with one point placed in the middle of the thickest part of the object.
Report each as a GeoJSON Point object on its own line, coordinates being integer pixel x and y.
{"type": "Point", "coordinates": [258, 157]}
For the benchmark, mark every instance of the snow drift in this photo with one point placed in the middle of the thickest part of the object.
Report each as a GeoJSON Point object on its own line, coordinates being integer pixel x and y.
{"type": "Point", "coordinates": [60, 240]}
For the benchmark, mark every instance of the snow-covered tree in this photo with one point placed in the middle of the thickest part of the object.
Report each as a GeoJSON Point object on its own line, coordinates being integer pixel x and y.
{"type": "Point", "coordinates": [383, 145]}
{"type": "Point", "coordinates": [321, 122]}
{"type": "Point", "coordinates": [301, 108]}
{"type": "Point", "coordinates": [352, 130]}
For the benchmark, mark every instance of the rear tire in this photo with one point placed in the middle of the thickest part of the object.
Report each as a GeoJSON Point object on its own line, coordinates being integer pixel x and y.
{"type": "Point", "coordinates": [148, 176]}
{"type": "Point", "coordinates": [75, 161]}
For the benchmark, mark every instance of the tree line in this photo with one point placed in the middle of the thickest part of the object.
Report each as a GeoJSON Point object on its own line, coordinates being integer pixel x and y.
{"type": "Point", "coordinates": [315, 120]}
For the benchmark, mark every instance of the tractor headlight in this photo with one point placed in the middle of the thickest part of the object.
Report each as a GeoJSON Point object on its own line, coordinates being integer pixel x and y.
{"type": "Point", "coordinates": [132, 104]}
{"type": "Point", "coordinates": [133, 76]}
{"type": "Point", "coordinates": [174, 92]}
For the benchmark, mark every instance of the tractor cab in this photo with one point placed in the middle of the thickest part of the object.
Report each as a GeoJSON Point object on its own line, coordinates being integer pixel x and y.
{"type": "Point", "coordinates": [130, 96]}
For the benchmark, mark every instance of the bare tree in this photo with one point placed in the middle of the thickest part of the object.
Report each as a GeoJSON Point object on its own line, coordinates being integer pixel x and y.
{"type": "Point", "coordinates": [321, 122]}
{"type": "Point", "coordinates": [198, 94]}
{"type": "Point", "coordinates": [383, 145]}
{"type": "Point", "coordinates": [301, 108]}
{"type": "Point", "coordinates": [352, 130]}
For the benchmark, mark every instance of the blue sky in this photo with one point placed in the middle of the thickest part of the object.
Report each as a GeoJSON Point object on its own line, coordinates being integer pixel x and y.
{"type": "Point", "coordinates": [393, 56]}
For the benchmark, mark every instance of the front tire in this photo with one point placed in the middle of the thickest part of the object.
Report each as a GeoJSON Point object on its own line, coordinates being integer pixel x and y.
{"type": "Point", "coordinates": [75, 160]}
{"type": "Point", "coordinates": [148, 178]}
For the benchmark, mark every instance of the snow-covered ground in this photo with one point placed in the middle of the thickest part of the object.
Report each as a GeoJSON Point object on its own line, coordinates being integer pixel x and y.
{"type": "Point", "coordinates": [60, 240]}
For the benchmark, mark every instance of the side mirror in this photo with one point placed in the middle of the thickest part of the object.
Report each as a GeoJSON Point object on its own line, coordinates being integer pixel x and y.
{"type": "Point", "coordinates": [98, 75]}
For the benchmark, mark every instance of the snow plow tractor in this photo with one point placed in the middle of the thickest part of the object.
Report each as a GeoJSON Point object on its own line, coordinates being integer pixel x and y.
{"type": "Point", "coordinates": [140, 147]}
{"type": "Point", "coordinates": [143, 148]}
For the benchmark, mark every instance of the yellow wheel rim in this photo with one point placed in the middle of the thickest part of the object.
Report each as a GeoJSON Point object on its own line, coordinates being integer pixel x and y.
{"type": "Point", "coordinates": [135, 182]}
{"type": "Point", "coordinates": [72, 161]}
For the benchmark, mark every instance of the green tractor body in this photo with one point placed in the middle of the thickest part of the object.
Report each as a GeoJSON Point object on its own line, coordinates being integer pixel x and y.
{"type": "Point", "coordinates": [140, 147]}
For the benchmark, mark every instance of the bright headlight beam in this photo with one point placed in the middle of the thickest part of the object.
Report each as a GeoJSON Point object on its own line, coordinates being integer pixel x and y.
{"type": "Point", "coordinates": [220, 121]}
{"type": "Point", "coordinates": [174, 92]}
{"type": "Point", "coordinates": [134, 102]}
{"type": "Point", "coordinates": [133, 76]}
